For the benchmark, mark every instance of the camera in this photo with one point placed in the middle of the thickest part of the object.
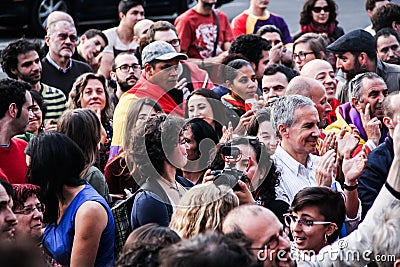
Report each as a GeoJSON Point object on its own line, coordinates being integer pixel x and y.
{"type": "Point", "coordinates": [230, 176]}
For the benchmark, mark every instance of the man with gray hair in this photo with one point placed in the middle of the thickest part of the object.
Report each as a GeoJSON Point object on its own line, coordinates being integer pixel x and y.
{"type": "Point", "coordinates": [295, 121]}
{"type": "Point", "coordinates": [59, 70]}
{"type": "Point", "coordinates": [315, 91]}
{"type": "Point", "coordinates": [364, 110]}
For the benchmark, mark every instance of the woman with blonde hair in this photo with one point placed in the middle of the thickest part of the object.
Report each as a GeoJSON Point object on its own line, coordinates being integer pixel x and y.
{"type": "Point", "coordinates": [203, 208]}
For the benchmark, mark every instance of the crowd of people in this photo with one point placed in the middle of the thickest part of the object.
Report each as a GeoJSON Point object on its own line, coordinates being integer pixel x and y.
{"type": "Point", "coordinates": [204, 142]}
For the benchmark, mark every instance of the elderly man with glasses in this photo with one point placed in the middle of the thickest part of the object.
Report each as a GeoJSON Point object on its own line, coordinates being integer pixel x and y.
{"type": "Point", "coordinates": [59, 69]}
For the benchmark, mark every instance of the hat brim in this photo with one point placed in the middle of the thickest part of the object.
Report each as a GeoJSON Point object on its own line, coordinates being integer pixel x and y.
{"type": "Point", "coordinates": [172, 55]}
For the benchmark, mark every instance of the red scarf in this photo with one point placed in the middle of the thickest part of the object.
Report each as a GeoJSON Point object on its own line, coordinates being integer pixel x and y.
{"type": "Point", "coordinates": [143, 88]}
{"type": "Point", "coordinates": [234, 102]}
{"type": "Point", "coordinates": [328, 28]}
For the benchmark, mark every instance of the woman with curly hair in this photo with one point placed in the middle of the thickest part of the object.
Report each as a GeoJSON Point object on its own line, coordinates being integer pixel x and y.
{"type": "Point", "coordinates": [256, 163]}
{"type": "Point", "coordinates": [203, 208]}
{"type": "Point", "coordinates": [158, 149]}
{"type": "Point", "coordinates": [90, 91]}
{"type": "Point", "coordinates": [319, 16]}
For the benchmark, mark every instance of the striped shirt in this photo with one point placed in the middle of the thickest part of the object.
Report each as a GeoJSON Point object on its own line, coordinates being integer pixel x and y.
{"type": "Point", "coordinates": [55, 101]}
{"type": "Point", "coordinates": [294, 175]}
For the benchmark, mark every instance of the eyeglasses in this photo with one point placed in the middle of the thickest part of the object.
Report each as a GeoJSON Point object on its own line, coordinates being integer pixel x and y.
{"type": "Point", "coordinates": [318, 9]}
{"type": "Point", "coordinates": [126, 67]}
{"type": "Point", "coordinates": [290, 220]}
{"type": "Point", "coordinates": [174, 42]}
{"type": "Point", "coordinates": [34, 109]}
{"type": "Point", "coordinates": [30, 209]}
{"type": "Point", "coordinates": [301, 55]}
{"type": "Point", "coordinates": [64, 36]}
{"type": "Point", "coordinates": [273, 242]}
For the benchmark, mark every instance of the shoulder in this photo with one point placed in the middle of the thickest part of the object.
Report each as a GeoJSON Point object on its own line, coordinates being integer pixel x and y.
{"type": "Point", "coordinates": [18, 142]}
{"type": "Point", "coordinates": [81, 65]}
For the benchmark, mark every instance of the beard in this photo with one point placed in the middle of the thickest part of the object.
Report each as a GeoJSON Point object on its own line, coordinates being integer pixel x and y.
{"type": "Point", "coordinates": [356, 70]}
{"type": "Point", "coordinates": [124, 85]}
{"type": "Point", "coordinates": [27, 78]}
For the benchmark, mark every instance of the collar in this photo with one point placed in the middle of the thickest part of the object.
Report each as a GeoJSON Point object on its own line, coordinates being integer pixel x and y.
{"type": "Point", "coordinates": [52, 62]}
{"type": "Point", "coordinates": [290, 162]}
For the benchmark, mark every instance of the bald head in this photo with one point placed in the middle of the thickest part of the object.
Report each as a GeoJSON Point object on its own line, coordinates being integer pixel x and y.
{"type": "Point", "coordinates": [245, 218]}
{"type": "Point", "coordinates": [57, 16]}
{"type": "Point", "coordinates": [303, 86]}
{"type": "Point", "coordinates": [311, 68]}
{"type": "Point", "coordinates": [314, 90]}
{"type": "Point", "coordinates": [141, 27]}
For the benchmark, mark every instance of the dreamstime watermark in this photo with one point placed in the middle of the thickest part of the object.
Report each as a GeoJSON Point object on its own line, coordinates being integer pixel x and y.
{"type": "Point", "coordinates": [342, 253]}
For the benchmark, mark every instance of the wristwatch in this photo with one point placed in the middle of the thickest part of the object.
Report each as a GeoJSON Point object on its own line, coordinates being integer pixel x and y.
{"type": "Point", "coordinates": [350, 188]}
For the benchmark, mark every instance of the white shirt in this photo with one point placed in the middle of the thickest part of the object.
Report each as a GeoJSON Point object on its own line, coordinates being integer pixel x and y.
{"type": "Point", "coordinates": [294, 175]}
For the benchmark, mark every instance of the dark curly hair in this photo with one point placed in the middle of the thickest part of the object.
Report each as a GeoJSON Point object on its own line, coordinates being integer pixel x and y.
{"type": "Point", "coordinates": [9, 56]}
{"type": "Point", "coordinates": [12, 91]}
{"type": "Point", "coordinates": [154, 143]}
{"type": "Point", "coordinates": [306, 16]}
{"type": "Point", "coordinates": [266, 188]}
{"type": "Point", "coordinates": [143, 244]}
{"type": "Point", "coordinates": [250, 46]}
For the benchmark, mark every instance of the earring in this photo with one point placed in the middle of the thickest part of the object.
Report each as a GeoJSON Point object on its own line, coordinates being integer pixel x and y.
{"type": "Point", "coordinates": [326, 238]}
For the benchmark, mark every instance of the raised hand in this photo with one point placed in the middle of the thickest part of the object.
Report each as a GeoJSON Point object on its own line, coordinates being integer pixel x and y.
{"type": "Point", "coordinates": [326, 168]}
{"type": "Point", "coordinates": [348, 141]}
{"type": "Point", "coordinates": [353, 167]}
{"type": "Point", "coordinates": [328, 143]}
{"type": "Point", "coordinates": [372, 126]}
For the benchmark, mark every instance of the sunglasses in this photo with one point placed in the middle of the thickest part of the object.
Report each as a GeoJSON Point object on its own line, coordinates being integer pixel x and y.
{"type": "Point", "coordinates": [318, 9]}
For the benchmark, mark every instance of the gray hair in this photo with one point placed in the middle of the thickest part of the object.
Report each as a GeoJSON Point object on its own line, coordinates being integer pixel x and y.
{"type": "Point", "coordinates": [356, 87]}
{"type": "Point", "coordinates": [284, 108]}
{"type": "Point", "coordinates": [385, 238]}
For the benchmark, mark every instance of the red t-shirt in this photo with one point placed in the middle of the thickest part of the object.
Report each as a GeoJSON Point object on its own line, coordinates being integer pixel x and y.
{"type": "Point", "coordinates": [198, 33]}
{"type": "Point", "coordinates": [13, 162]}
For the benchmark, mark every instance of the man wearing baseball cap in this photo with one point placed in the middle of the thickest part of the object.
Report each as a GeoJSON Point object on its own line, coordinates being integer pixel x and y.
{"type": "Point", "coordinates": [356, 53]}
{"type": "Point", "coordinates": [158, 81]}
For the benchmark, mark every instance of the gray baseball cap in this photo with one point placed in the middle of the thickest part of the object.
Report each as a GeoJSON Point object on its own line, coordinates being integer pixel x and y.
{"type": "Point", "coordinates": [160, 50]}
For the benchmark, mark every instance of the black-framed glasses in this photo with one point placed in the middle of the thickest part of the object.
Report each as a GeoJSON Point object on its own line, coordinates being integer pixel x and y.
{"type": "Point", "coordinates": [35, 109]}
{"type": "Point", "coordinates": [27, 210]}
{"type": "Point", "coordinates": [64, 36]}
{"type": "Point", "coordinates": [306, 224]}
{"type": "Point", "coordinates": [318, 9]}
{"type": "Point", "coordinates": [301, 55]}
{"type": "Point", "coordinates": [273, 242]}
{"type": "Point", "coordinates": [126, 67]}
{"type": "Point", "coordinates": [174, 42]}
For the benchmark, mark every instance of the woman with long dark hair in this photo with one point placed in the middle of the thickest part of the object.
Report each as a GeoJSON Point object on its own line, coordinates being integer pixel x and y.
{"type": "Point", "coordinates": [80, 226]}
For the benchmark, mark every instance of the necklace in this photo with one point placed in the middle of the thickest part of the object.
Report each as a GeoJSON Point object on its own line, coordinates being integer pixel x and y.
{"type": "Point", "coordinates": [172, 186]}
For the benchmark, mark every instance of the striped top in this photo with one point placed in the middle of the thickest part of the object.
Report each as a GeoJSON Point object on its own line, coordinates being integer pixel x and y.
{"type": "Point", "coordinates": [55, 101]}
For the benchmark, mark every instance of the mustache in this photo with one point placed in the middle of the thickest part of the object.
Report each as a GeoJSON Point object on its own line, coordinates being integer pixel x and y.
{"type": "Point", "coordinates": [133, 76]}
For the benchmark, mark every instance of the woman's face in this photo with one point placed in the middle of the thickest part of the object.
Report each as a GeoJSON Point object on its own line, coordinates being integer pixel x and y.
{"type": "Point", "coordinates": [179, 154]}
{"type": "Point", "coordinates": [267, 135]}
{"type": "Point", "coordinates": [245, 84]}
{"type": "Point", "coordinates": [191, 144]}
{"type": "Point", "coordinates": [310, 237]}
{"type": "Point", "coordinates": [93, 95]}
{"type": "Point", "coordinates": [29, 227]}
{"type": "Point", "coordinates": [248, 164]}
{"type": "Point", "coordinates": [302, 54]}
{"type": "Point", "coordinates": [35, 119]}
{"type": "Point", "coordinates": [320, 12]}
{"type": "Point", "coordinates": [146, 112]}
{"type": "Point", "coordinates": [199, 107]}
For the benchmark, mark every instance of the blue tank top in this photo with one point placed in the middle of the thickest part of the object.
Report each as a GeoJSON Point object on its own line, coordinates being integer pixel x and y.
{"type": "Point", "coordinates": [58, 239]}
